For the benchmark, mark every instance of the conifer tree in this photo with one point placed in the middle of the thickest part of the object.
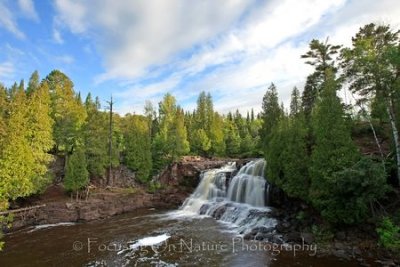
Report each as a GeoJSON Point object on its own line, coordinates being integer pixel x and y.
{"type": "Point", "coordinates": [180, 144]}
{"type": "Point", "coordinates": [40, 135]}
{"type": "Point", "coordinates": [17, 162]}
{"type": "Point", "coordinates": [96, 138]}
{"type": "Point", "coordinates": [76, 173]}
{"type": "Point", "coordinates": [68, 113]}
{"type": "Point", "coordinates": [138, 146]}
{"type": "Point", "coordinates": [334, 149]}
{"type": "Point", "coordinates": [271, 113]}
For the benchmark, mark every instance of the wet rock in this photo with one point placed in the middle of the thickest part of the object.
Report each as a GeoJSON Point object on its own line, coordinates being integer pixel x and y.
{"type": "Point", "coordinates": [340, 246]}
{"type": "Point", "coordinates": [341, 254]}
{"type": "Point", "coordinates": [357, 251]}
{"type": "Point", "coordinates": [340, 236]}
{"type": "Point", "coordinates": [386, 263]}
{"type": "Point", "coordinates": [204, 208]}
{"type": "Point", "coordinates": [308, 238]}
{"type": "Point", "coordinates": [219, 212]}
{"type": "Point", "coordinates": [292, 237]}
{"type": "Point", "coordinates": [283, 227]}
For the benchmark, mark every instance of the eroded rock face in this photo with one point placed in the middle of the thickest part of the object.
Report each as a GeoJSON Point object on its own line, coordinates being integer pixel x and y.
{"type": "Point", "coordinates": [187, 172]}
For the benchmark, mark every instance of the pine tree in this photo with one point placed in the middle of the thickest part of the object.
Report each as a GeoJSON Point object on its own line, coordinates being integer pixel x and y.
{"type": "Point", "coordinates": [201, 143]}
{"type": "Point", "coordinates": [138, 146]}
{"type": "Point", "coordinates": [76, 173]}
{"type": "Point", "coordinates": [217, 136]}
{"type": "Point", "coordinates": [68, 113]}
{"type": "Point", "coordinates": [271, 113]}
{"type": "Point", "coordinates": [179, 135]}
{"type": "Point", "coordinates": [40, 135]}
{"type": "Point", "coordinates": [232, 139]}
{"type": "Point", "coordinates": [34, 83]}
{"type": "Point", "coordinates": [96, 138]}
{"type": "Point", "coordinates": [372, 66]}
{"type": "Point", "coordinates": [17, 162]}
{"type": "Point", "coordinates": [334, 149]}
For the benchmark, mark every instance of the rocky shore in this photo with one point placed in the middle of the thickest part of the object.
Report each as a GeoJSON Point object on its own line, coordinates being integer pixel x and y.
{"type": "Point", "coordinates": [177, 182]}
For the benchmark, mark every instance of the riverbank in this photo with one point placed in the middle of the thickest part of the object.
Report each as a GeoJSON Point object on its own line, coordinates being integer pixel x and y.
{"type": "Point", "coordinates": [176, 181]}
{"type": "Point", "coordinates": [297, 222]}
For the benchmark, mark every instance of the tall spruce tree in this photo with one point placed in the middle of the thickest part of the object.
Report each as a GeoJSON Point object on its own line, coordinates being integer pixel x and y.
{"type": "Point", "coordinates": [334, 149]}
{"type": "Point", "coordinates": [271, 113]}
{"type": "Point", "coordinates": [96, 138]}
{"type": "Point", "coordinates": [68, 113]}
{"type": "Point", "coordinates": [76, 173]}
{"type": "Point", "coordinates": [138, 146]}
{"type": "Point", "coordinates": [40, 135]}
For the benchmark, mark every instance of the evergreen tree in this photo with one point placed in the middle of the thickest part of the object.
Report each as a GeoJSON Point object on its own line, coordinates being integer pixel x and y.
{"type": "Point", "coordinates": [334, 149]}
{"type": "Point", "coordinates": [201, 143]}
{"type": "Point", "coordinates": [232, 139]}
{"type": "Point", "coordinates": [372, 66]}
{"type": "Point", "coordinates": [76, 173]}
{"type": "Point", "coordinates": [180, 144]}
{"type": "Point", "coordinates": [34, 83]}
{"type": "Point", "coordinates": [271, 113]}
{"type": "Point", "coordinates": [40, 135]}
{"type": "Point", "coordinates": [217, 136]}
{"type": "Point", "coordinates": [68, 113]}
{"type": "Point", "coordinates": [138, 146]}
{"type": "Point", "coordinates": [295, 103]}
{"type": "Point", "coordinates": [17, 162]}
{"type": "Point", "coordinates": [96, 138]}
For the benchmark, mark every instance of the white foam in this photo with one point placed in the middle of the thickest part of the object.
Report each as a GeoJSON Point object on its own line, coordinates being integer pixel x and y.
{"type": "Point", "coordinates": [44, 226]}
{"type": "Point", "coordinates": [147, 241]}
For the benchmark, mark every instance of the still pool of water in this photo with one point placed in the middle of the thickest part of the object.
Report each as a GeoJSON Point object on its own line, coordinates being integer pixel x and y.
{"type": "Point", "coordinates": [149, 238]}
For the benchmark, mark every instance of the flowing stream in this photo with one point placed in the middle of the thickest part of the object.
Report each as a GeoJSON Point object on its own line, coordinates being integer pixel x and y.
{"type": "Point", "coordinates": [207, 230]}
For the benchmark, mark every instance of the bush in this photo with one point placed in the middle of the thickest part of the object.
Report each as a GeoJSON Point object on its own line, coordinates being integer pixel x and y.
{"type": "Point", "coordinates": [348, 193]}
{"type": "Point", "coordinates": [389, 234]}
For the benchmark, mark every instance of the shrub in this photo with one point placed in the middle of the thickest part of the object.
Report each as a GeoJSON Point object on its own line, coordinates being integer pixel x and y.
{"type": "Point", "coordinates": [389, 234]}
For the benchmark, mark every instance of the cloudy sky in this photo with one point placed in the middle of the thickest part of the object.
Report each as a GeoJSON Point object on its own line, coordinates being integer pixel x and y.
{"type": "Point", "coordinates": [140, 50]}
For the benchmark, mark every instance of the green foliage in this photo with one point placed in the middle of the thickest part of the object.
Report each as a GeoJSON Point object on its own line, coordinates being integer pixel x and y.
{"type": "Point", "coordinates": [323, 233]}
{"type": "Point", "coordinates": [153, 187]}
{"type": "Point", "coordinates": [138, 146]}
{"type": "Point", "coordinates": [232, 139]}
{"type": "Point", "coordinates": [76, 173]}
{"type": "Point", "coordinates": [96, 135]}
{"type": "Point", "coordinates": [348, 193]}
{"type": "Point", "coordinates": [17, 160]}
{"type": "Point", "coordinates": [201, 143]}
{"type": "Point", "coordinates": [271, 113]}
{"type": "Point", "coordinates": [389, 234]}
{"type": "Point", "coordinates": [68, 112]}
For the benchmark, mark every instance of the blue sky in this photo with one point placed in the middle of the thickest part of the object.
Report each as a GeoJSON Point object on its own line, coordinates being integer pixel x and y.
{"type": "Point", "coordinates": [140, 50]}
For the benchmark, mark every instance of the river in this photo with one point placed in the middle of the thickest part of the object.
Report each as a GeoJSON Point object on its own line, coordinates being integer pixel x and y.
{"type": "Point", "coordinates": [207, 230]}
{"type": "Point", "coordinates": [193, 241]}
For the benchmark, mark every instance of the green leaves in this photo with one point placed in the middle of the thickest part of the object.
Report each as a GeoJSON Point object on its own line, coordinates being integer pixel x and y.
{"type": "Point", "coordinates": [76, 173]}
{"type": "Point", "coordinates": [138, 146]}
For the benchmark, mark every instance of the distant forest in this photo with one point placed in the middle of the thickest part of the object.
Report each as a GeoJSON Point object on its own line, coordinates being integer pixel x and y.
{"type": "Point", "coordinates": [314, 149]}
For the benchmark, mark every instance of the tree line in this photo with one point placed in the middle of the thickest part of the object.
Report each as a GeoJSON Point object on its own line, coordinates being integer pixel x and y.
{"type": "Point", "coordinates": [48, 119]}
{"type": "Point", "coordinates": [311, 151]}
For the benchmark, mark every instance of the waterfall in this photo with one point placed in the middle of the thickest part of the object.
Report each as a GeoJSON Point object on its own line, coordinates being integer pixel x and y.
{"type": "Point", "coordinates": [248, 186]}
{"type": "Point", "coordinates": [239, 200]}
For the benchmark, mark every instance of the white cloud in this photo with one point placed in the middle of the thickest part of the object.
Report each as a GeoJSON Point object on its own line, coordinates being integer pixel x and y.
{"type": "Point", "coordinates": [65, 59]}
{"type": "Point", "coordinates": [57, 36]}
{"type": "Point", "coordinates": [8, 21]}
{"type": "Point", "coordinates": [7, 70]}
{"type": "Point", "coordinates": [234, 49]}
{"type": "Point", "coordinates": [28, 9]}
{"type": "Point", "coordinates": [138, 35]}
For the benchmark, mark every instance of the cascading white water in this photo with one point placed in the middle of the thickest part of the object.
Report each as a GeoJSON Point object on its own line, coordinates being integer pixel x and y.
{"type": "Point", "coordinates": [239, 200]}
{"type": "Point", "coordinates": [248, 186]}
